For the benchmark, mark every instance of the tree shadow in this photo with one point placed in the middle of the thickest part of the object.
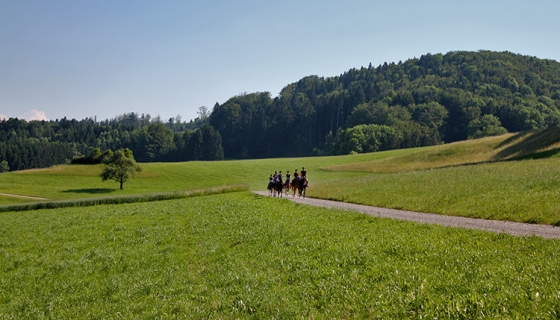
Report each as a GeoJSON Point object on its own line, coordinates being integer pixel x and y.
{"type": "Point", "coordinates": [91, 190]}
{"type": "Point", "coordinates": [526, 145]}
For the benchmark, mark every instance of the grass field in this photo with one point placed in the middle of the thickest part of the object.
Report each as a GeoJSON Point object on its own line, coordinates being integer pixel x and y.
{"type": "Point", "coordinates": [511, 177]}
{"type": "Point", "coordinates": [242, 256]}
{"type": "Point", "coordinates": [79, 181]}
{"type": "Point", "coordinates": [523, 191]}
{"type": "Point", "coordinates": [238, 255]}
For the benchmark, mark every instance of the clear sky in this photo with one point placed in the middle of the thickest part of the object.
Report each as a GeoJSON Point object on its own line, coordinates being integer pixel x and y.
{"type": "Point", "coordinates": [78, 59]}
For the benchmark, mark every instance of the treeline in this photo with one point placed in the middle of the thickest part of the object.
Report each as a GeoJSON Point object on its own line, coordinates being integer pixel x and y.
{"type": "Point", "coordinates": [423, 101]}
{"type": "Point", "coordinates": [39, 144]}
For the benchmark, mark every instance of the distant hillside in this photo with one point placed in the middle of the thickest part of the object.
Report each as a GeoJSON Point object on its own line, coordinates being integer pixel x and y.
{"type": "Point", "coordinates": [436, 98]}
{"type": "Point", "coordinates": [427, 101]}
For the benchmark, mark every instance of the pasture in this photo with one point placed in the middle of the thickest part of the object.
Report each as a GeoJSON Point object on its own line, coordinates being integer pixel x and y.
{"type": "Point", "coordinates": [511, 177]}
{"type": "Point", "coordinates": [81, 181]}
{"type": "Point", "coordinates": [238, 255]}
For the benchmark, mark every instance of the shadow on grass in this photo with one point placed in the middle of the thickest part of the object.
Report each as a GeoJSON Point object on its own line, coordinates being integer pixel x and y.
{"type": "Point", "coordinates": [91, 191]}
{"type": "Point", "coordinates": [526, 145]}
{"type": "Point", "coordinates": [539, 155]}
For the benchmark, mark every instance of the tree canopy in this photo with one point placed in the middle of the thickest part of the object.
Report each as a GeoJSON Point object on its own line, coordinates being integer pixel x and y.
{"type": "Point", "coordinates": [429, 100]}
{"type": "Point", "coordinates": [120, 167]}
{"type": "Point", "coordinates": [39, 144]}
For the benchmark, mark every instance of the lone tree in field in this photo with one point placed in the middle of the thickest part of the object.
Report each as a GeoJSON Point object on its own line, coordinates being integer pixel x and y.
{"type": "Point", "coordinates": [120, 167]}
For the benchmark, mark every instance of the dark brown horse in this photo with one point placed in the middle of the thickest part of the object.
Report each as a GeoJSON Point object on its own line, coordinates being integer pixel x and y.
{"type": "Point", "coordinates": [278, 187]}
{"type": "Point", "coordinates": [302, 186]}
{"type": "Point", "coordinates": [287, 186]}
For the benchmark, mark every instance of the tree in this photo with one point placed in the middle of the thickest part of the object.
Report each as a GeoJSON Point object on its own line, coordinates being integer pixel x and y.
{"type": "Point", "coordinates": [488, 125]}
{"type": "Point", "coordinates": [365, 138]}
{"type": "Point", "coordinates": [4, 167]}
{"type": "Point", "coordinates": [159, 141]}
{"type": "Point", "coordinates": [212, 143]}
{"type": "Point", "coordinates": [120, 167]}
{"type": "Point", "coordinates": [203, 112]}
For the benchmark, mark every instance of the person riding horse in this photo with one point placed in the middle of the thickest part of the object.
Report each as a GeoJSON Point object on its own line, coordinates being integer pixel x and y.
{"type": "Point", "coordinates": [279, 185]}
{"type": "Point", "coordinates": [302, 185]}
{"type": "Point", "coordinates": [295, 182]}
{"type": "Point", "coordinates": [288, 182]}
{"type": "Point", "coordinates": [270, 184]}
{"type": "Point", "coordinates": [302, 182]}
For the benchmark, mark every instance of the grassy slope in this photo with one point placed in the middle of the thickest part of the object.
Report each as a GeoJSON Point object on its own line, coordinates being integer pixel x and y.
{"type": "Point", "coordinates": [526, 191]}
{"type": "Point", "coordinates": [479, 178]}
{"type": "Point", "coordinates": [242, 256]}
{"type": "Point", "coordinates": [469, 178]}
{"type": "Point", "coordinates": [70, 182]}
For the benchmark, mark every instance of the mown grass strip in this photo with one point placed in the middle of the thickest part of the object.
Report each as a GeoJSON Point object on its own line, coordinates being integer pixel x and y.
{"type": "Point", "coordinates": [158, 196]}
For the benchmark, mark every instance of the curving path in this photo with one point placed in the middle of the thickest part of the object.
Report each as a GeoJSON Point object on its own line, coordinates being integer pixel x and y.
{"type": "Point", "coordinates": [23, 197]}
{"type": "Point", "coordinates": [513, 228]}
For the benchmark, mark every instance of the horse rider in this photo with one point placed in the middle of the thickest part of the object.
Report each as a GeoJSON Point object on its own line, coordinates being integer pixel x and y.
{"type": "Point", "coordinates": [303, 172]}
{"type": "Point", "coordinates": [288, 175]}
{"type": "Point", "coordinates": [270, 183]}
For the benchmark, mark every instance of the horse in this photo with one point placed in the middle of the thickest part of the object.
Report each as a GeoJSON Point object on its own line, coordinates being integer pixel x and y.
{"type": "Point", "coordinates": [287, 186]}
{"type": "Point", "coordinates": [295, 183]}
{"type": "Point", "coordinates": [278, 187]}
{"type": "Point", "coordinates": [270, 187]}
{"type": "Point", "coordinates": [302, 186]}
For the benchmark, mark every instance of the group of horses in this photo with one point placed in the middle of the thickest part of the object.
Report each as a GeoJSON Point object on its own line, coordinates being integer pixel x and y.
{"type": "Point", "coordinates": [278, 187]}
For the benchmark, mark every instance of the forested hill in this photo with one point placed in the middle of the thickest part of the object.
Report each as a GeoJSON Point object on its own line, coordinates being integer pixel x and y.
{"type": "Point", "coordinates": [433, 99]}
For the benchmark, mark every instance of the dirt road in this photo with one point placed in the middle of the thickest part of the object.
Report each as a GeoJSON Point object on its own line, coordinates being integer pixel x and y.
{"type": "Point", "coordinates": [513, 228]}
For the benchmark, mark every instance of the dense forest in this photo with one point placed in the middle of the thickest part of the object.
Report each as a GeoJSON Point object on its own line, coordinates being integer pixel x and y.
{"type": "Point", "coordinates": [39, 144]}
{"type": "Point", "coordinates": [423, 101]}
{"type": "Point", "coordinates": [430, 100]}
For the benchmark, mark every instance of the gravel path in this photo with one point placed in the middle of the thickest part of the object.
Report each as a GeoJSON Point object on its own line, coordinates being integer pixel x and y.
{"type": "Point", "coordinates": [23, 197]}
{"type": "Point", "coordinates": [513, 228]}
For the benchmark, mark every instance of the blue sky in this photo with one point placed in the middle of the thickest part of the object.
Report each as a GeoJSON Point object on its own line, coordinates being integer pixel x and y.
{"type": "Point", "coordinates": [79, 59]}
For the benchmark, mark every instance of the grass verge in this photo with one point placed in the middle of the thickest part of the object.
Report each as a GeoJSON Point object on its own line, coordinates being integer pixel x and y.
{"type": "Point", "coordinates": [158, 196]}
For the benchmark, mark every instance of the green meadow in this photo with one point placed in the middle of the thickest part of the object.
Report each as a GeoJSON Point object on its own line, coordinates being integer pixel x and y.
{"type": "Point", "coordinates": [79, 181]}
{"type": "Point", "coordinates": [188, 240]}
{"type": "Point", "coordinates": [512, 177]}
{"type": "Point", "coordinates": [239, 255]}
